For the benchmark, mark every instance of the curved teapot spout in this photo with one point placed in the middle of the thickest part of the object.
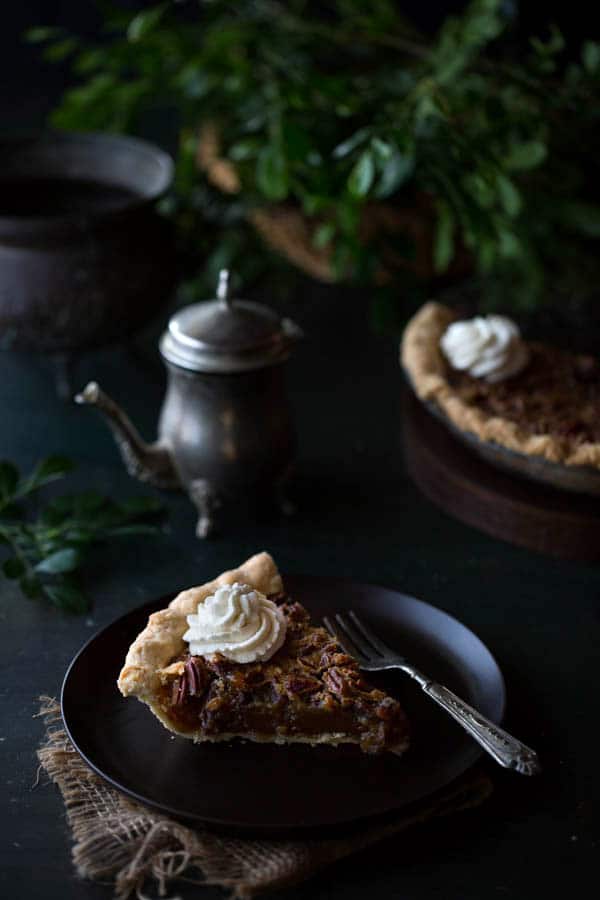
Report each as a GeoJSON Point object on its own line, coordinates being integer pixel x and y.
{"type": "Point", "coordinates": [148, 462]}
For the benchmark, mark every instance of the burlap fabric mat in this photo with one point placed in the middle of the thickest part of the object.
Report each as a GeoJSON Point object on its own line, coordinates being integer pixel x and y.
{"type": "Point", "coordinates": [135, 848]}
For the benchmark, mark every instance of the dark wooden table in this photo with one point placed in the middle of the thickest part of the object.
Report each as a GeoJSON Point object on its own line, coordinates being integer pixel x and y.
{"type": "Point", "coordinates": [359, 516]}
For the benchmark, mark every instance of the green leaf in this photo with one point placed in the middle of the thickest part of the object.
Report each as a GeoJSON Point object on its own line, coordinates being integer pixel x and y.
{"type": "Point", "coordinates": [509, 195]}
{"type": "Point", "coordinates": [245, 149]}
{"type": "Point", "coordinates": [362, 175]}
{"type": "Point", "coordinates": [590, 55]}
{"type": "Point", "coordinates": [50, 469]}
{"type": "Point", "coordinates": [81, 536]}
{"type": "Point", "coordinates": [527, 155]}
{"type": "Point", "coordinates": [9, 478]}
{"type": "Point", "coordinates": [298, 145]}
{"type": "Point", "coordinates": [550, 47]}
{"type": "Point", "coordinates": [443, 248]}
{"type": "Point", "coordinates": [51, 545]}
{"type": "Point", "coordinates": [89, 61]}
{"type": "Point", "coordinates": [145, 22]}
{"type": "Point", "coordinates": [56, 512]}
{"type": "Point", "coordinates": [396, 171]}
{"type": "Point", "coordinates": [271, 172]}
{"type": "Point", "coordinates": [480, 189]}
{"type": "Point", "coordinates": [427, 108]}
{"type": "Point", "coordinates": [41, 33]}
{"type": "Point", "coordinates": [510, 245]}
{"type": "Point", "coordinates": [347, 146]}
{"type": "Point", "coordinates": [382, 149]}
{"type": "Point", "coordinates": [13, 567]}
{"type": "Point", "coordinates": [65, 560]}
{"type": "Point", "coordinates": [323, 235]}
{"type": "Point", "coordinates": [67, 596]}
{"type": "Point", "coordinates": [194, 81]}
{"type": "Point", "coordinates": [60, 50]}
{"type": "Point", "coordinates": [313, 204]}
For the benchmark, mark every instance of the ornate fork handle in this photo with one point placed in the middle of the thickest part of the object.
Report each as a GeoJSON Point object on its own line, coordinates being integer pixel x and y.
{"type": "Point", "coordinates": [374, 655]}
{"type": "Point", "coordinates": [505, 749]}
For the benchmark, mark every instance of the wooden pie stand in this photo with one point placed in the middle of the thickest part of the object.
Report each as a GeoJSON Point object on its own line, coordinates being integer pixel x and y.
{"type": "Point", "coordinates": [531, 515]}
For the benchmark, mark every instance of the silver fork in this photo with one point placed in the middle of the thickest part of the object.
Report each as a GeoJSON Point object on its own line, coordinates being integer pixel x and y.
{"type": "Point", "coordinates": [373, 655]}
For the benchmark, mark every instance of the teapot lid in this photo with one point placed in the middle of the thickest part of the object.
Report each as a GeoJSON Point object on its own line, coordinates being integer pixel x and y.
{"type": "Point", "coordinates": [227, 335]}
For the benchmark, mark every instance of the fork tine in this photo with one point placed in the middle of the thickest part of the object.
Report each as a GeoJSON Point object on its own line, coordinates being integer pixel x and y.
{"type": "Point", "coordinates": [372, 638]}
{"type": "Point", "coordinates": [342, 639]}
{"type": "Point", "coordinates": [356, 638]}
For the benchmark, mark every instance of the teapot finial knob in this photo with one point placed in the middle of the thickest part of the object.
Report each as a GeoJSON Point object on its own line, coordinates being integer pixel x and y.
{"type": "Point", "coordinates": [223, 287]}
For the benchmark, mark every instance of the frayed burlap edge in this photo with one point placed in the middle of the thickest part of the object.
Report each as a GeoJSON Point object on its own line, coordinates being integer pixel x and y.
{"type": "Point", "coordinates": [131, 846]}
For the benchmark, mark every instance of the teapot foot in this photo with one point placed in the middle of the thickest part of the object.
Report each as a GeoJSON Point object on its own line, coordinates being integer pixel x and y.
{"type": "Point", "coordinates": [204, 526]}
{"type": "Point", "coordinates": [205, 502]}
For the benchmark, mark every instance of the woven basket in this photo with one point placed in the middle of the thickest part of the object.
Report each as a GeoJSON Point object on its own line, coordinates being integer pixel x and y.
{"type": "Point", "coordinates": [289, 232]}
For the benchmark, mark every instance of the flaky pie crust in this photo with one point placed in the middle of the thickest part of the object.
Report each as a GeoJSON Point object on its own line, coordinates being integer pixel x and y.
{"type": "Point", "coordinates": [424, 363]}
{"type": "Point", "coordinates": [162, 638]}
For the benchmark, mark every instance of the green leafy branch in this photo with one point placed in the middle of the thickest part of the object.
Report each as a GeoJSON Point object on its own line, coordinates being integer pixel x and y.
{"type": "Point", "coordinates": [483, 132]}
{"type": "Point", "coordinates": [46, 552]}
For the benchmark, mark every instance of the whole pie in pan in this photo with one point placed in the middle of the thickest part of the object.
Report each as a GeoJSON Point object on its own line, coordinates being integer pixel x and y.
{"type": "Point", "coordinates": [527, 397]}
{"type": "Point", "coordinates": [239, 658]}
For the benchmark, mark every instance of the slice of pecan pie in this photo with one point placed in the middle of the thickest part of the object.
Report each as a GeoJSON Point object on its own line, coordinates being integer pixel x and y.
{"type": "Point", "coordinates": [276, 676]}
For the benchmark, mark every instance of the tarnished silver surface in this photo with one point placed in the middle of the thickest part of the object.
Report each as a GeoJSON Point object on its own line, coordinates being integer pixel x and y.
{"type": "Point", "coordinates": [225, 433]}
{"type": "Point", "coordinates": [227, 335]}
{"type": "Point", "coordinates": [148, 462]}
{"type": "Point", "coordinates": [373, 656]}
{"type": "Point", "coordinates": [72, 278]}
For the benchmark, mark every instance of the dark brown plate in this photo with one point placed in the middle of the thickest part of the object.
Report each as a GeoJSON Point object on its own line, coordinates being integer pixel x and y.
{"type": "Point", "coordinates": [271, 787]}
{"type": "Point", "coordinates": [577, 479]}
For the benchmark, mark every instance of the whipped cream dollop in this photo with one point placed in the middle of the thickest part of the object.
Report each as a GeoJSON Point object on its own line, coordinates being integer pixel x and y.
{"type": "Point", "coordinates": [237, 621]}
{"type": "Point", "coordinates": [488, 347]}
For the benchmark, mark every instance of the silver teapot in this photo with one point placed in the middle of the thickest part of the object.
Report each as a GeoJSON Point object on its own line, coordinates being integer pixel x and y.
{"type": "Point", "coordinates": [225, 430]}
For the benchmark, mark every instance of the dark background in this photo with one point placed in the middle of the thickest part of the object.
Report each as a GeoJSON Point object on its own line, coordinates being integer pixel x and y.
{"type": "Point", "coordinates": [360, 516]}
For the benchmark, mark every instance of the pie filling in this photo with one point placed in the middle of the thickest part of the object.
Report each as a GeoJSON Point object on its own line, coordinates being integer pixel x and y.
{"type": "Point", "coordinates": [309, 689]}
{"type": "Point", "coordinates": [557, 393]}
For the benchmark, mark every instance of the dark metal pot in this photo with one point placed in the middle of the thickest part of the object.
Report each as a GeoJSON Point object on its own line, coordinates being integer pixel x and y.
{"type": "Point", "coordinates": [84, 257]}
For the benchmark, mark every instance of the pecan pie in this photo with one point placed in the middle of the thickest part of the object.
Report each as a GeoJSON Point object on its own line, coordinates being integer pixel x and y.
{"type": "Point", "coordinates": [309, 691]}
{"type": "Point", "coordinates": [549, 409]}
